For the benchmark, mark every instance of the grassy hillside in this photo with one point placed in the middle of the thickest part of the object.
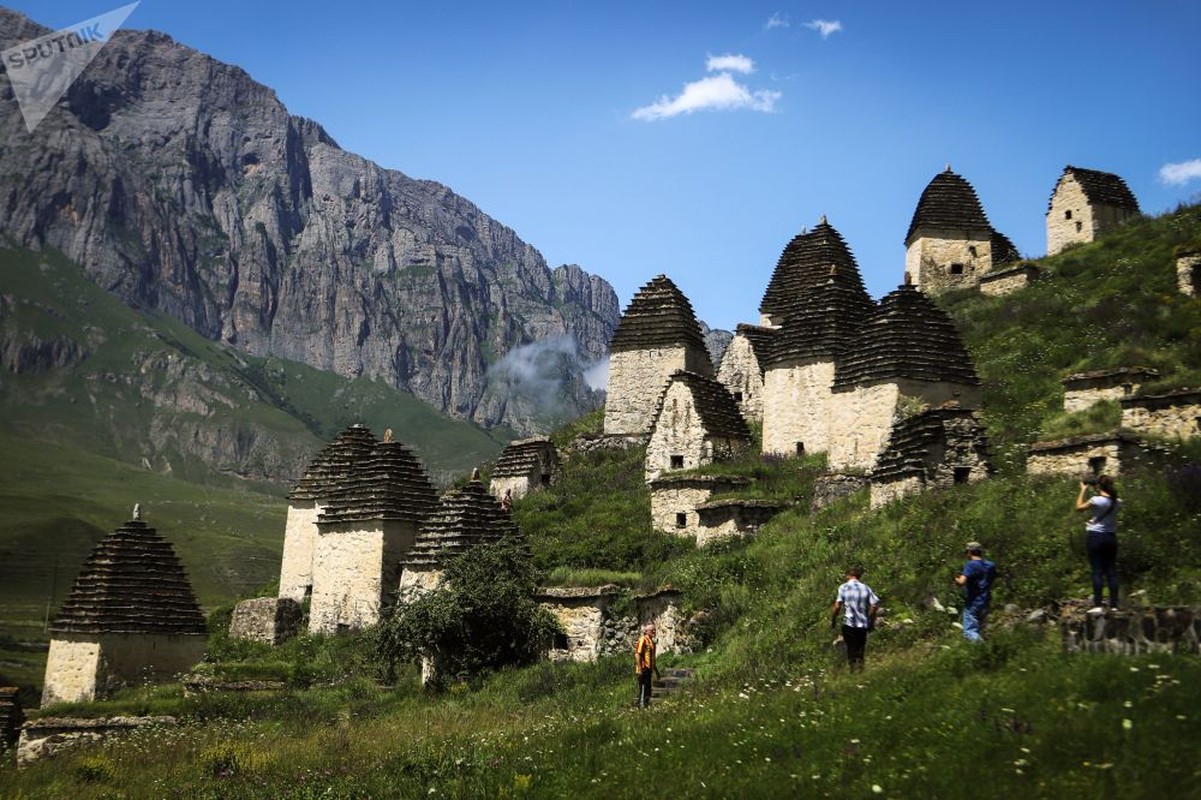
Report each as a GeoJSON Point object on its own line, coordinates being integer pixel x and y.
{"type": "Point", "coordinates": [771, 711]}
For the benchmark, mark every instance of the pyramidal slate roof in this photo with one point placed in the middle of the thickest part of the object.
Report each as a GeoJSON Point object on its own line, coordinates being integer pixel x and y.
{"type": "Point", "coordinates": [1003, 249]}
{"type": "Point", "coordinates": [948, 201]}
{"type": "Point", "coordinates": [762, 340]}
{"type": "Point", "coordinates": [914, 440]}
{"type": "Point", "coordinates": [714, 405]}
{"type": "Point", "coordinates": [334, 464]}
{"type": "Point", "coordinates": [658, 316]}
{"type": "Point", "coordinates": [1101, 188]}
{"type": "Point", "coordinates": [387, 482]}
{"type": "Point", "coordinates": [907, 336]}
{"type": "Point", "coordinates": [463, 519]}
{"type": "Point", "coordinates": [805, 265]}
{"type": "Point", "coordinates": [131, 583]}
{"type": "Point", "coordinates": [521, 457]}
{"type": "Point", "coordinates": [823, 324]}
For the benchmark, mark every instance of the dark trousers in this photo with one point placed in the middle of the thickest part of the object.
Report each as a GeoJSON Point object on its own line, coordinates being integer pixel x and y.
{"type": "Point", "coordinates": [856, 641]}
{"type": "Point", "coordinates": [1103, 558]}
{"type": "Point", "coordinates": [645, 682]}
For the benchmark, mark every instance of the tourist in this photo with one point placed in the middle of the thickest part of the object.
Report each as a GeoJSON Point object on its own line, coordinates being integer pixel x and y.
{"type": "Point", "coordinates": [506, 502]}
{"type": "Point", "coordinates": [644, 665]}
{"type": "Point", "coordinates": [977, 579]}
{"type": "Point", "coordinates": [857, 604]}
{"type": "Point", "coordinates": [1102, 532]}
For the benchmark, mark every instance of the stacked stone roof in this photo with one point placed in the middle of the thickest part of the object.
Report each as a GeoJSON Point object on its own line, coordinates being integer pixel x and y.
{"type": "Point", "coordinates": [823, 324]}
{"type": "Point", "coordinates": [131, 583]}
{"type": "Point", "coordinates": [658, 316]}
{"type": "Point", "coordinates": [907, 336]}
{"type": "Point", "coordinates": [761, 340]}
{"type": "Point", "coordinates": [806, 264]}
{"type": "Point", "coordinates": [1101, 188]}
{"type": "Point", "coordinates": [948, 203]}
{"type": "Point", "coordinates": [463, 519]}
{"type": "Point", "coordinates": [715, 405]}
{"type": "Point", "coordinates": [914, 441]}
{"type": "Point", "coordinates": [388, 482]}
{"type": "Point", "coordinates": [522, 457]}
{"type": "Point", "coordinates": [1003, 249]}
{"type": "Point", "coordinates": [334, 464]}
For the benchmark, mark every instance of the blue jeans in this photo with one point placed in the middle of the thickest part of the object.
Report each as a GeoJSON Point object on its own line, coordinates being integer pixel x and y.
{"type": "Point", "coordinates": [973, 621]}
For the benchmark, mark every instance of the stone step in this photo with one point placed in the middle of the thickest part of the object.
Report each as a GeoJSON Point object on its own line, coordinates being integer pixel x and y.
{"type": "Point", "coordinates": [670, 681]}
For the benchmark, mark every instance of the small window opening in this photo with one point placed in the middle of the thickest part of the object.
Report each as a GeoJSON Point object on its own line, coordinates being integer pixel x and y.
{"type": "Point", "coordinates": [962, 474]}
{"type": "Point", "coordinates": [1127, 389]}
{"type": "Point", "coordinates": [800, 448]}
{"type": "Point", "coordinates": [560, 642]}
{"type": "Point", "coordinates": [1197, 422]}
{"type": "Point", "coordinates": [1079, 227]}
{"type": "Point", "coordinates": [737, 397]}
{"type": "Point", "coordinates": [1067, 214]}
{"type": "Point", "coordinates": [1096, 465]}
{"type": "Point", "coordinates": [681, 520]}
{"type": "Point", "coordinates": [546, 479]}
{"type": "Point", "coordinates": [677, 462]}
{"type": "Point", "coordinates": [956, 269]}
{"type": "Point", "coordinates": [971, 248]}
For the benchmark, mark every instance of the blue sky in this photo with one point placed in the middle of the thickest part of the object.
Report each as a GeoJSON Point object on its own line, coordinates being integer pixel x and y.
{"type": "Point", "coordinates": [695, 139]}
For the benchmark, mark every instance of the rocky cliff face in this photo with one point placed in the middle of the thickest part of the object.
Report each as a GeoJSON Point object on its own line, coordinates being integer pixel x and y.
{"type": "Point", "coordinates": [183, 186]}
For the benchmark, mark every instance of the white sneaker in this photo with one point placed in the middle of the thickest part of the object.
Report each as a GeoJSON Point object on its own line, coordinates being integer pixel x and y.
{"type": "Point", "coordinates": [1095, 611]}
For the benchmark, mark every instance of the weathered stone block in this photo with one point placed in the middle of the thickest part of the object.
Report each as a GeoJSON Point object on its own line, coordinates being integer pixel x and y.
{"type": "Point", "coordinates": [272, 620]}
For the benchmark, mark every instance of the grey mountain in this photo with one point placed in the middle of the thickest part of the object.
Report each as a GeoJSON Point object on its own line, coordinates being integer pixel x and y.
{"type": "Point", "coordinates": [183, 186]}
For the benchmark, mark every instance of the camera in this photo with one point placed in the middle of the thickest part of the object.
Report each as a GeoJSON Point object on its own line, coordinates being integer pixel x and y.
{"type": "Point", "coordinates": [1089, 480]}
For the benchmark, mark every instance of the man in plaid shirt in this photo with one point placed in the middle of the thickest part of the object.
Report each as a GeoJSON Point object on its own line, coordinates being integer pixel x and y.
{"type": "Point", "coordinates": [858, 604]}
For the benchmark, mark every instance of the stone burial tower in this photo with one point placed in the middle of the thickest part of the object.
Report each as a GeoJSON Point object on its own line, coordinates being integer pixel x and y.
{"type": "Point", "coordinates": [1084, 204]}
{"type": "Point", "coordinates": [657, 336]}
{"type": "Point", "coordinates": [131, 617]}
{"type": "Point", "coordinates": [950, 243]}
{"type": "Point", "coordinates": [523, 466]}
{"type": "Point", "coordinates": [370, 520]}
{"type": "Point", "coordinates": [696, 422]}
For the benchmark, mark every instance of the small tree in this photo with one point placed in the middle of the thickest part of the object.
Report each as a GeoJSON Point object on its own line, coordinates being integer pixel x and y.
{"type": "Point", "coordinates": [482, 617]}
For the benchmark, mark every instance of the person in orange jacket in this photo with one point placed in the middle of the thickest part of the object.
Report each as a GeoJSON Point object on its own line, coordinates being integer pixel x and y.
{"type": "Point", "coordinates": [644, 665]}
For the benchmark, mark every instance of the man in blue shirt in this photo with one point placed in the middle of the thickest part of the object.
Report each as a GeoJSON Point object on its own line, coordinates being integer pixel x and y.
{"type": "Point", "coordinates": [858, 605]}
{"type": "Point", "coordinates": [977, 579]}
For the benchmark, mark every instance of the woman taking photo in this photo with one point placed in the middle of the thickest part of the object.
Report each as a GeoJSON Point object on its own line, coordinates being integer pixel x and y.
{"type": "Point", "coordinates": [1102, 530]}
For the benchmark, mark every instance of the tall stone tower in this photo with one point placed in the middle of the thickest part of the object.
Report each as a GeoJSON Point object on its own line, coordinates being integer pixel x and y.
{"type": "Point", "coordinates": [950, 243]}
{"type": "Point", "coordinates": [1085, 203]}
{"type": "Point", "coordinates": [131, 617]}
{"type": "Point", "coordinates": [817, 298]}
{"type": "Point", "coordinates": [657, 335]}
{"type": "Point", "coordinates": [909, 352]}
{"type": "Point", "coordinates": [368, 524]}
{"type": "Point", "coordinates": [696, 423]}
{"type": "Point", "coordinates": [741, 369]}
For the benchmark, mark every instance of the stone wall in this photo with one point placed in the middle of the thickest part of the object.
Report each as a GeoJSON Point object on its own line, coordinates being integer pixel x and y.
{"type": "Point", "coordinates": [86, 667]}
{"type": "Point", "coordinates": [518, 485]}
{"type": "Point", "coordinates": [355, 567]}
{"type": "Point", "coordinates": [300, 538]}
{"type": "Point", "coordinates": [662, 610]}
{"type": "Point", "coordinates": [739, 372]}
{"type": "Point", "coordinates": [1153, 630]}
{"type": "Point", "coordinates": [1082, 391]}
{"type": "Point", "coordinates": [829, 489]}
{"type": "Point", "coordinates": [797, 407]}
{"type": "Point", "coordinates": [723, 519]}
{"type": "Point", "coordinates": [678, 432]}
{"type": "Point", "coordinates": [1175, 415]}
{"type": "Point", "coordinates": [1082, 455]}
{"type": "Point", "coordinates": [1007, 281]}
{"type": "Point", "coordinates": [582, 613]}
{"type": "Point", "coordinates": [271, 620]}
{"type": "Point", "coordinates": [636, 377]}
{"type": "Point", "coordinates": [885, 492]}
{"type": "Point", "coordinates": [42, 738]}
{"type": "Point", "coordinates": [931, 259]}
{"type": "Point", "coordinates": [1071, 218]}
{"type": "Point", "coordinates": [1188, 274]}
{"type": "Point", "coordinates": [667, 502]}
{"type": "Point", "coordinates": [11, 716]}
{"type": "Point", "coordinates": [417, 582]}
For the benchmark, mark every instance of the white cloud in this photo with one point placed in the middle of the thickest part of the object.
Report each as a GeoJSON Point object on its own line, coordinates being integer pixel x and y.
{"type": "Point", "coordinates": [777, 20]}
{"type": "Point", "coordinates": [715, 93]}
{"type": "Point", "coordinates": [824, 26]}
{"type": "Point", "coordinates": [1180, 174]}
{"type": "Point", "coordinates": [730, 63]}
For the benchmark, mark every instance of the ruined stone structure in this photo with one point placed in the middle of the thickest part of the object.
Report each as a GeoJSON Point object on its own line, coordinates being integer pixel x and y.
{"type": "Point", "coordinates": [463, 519]}
{"type": "Point", "coordinates": [48, 736]}
{"type": "Point", "coordinates": [729, 517]}
{"type": "Point", "coordinates": [271, 620]}
{"type": "Point", "coordinates": [695, 423]}
{"type": "Point", "coordinates": [11, 717]}
{"type": "Point", "coordinates": [1175, 630]}
{"type": "Point", "coordinates": [1188, 271]}
{"type": "Point", "coordinates": [1171, 414]}
{"type": "Point", "coordinates": [308, 499]}
{"type": "Point", "coordinates": [907, 355]}
{"type": "Point", "coordinates": [1084, 455]}
{"type": "Point", "coordinates": [676, 498]}
{"type": "Point", "coordinates": [662, 609]}
{"type": "Point", "coordinates": [934, 449]}
{"type": "Point", "coordinates": [522, 466]}
{"type": "Point", "coordinates": [1008, 280]}
{"type": "Point", "coordinates": [741, 368]}
{"type": "Point", "coordinates": [658, 335]}
{"type": "Point", "coordinates": [950, 243]}
{"type": "Point", "coordinates": [831, 488]}
{"type": "Point", "coordinates": [582, 612]}
{"type": "Point", "coordinates": [816, 296]}
{"type": "Point", "coordinates": [370, 521]}
{"type": "Point", "coordinates": [1084, 204]}
{"type": "Point", "coordinates": [131, 617]}
{"type": "Point", "coordinates": [1084, 389]}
